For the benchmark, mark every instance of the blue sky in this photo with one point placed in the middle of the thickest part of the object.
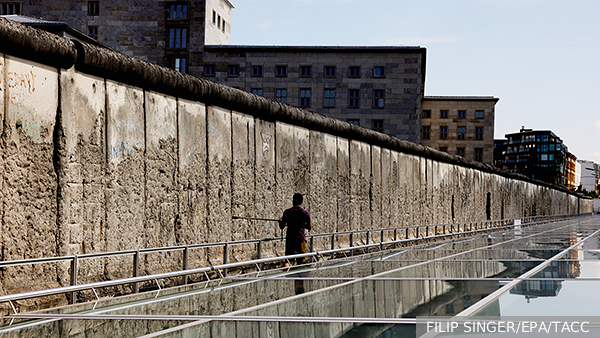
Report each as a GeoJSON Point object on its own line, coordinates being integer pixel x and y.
{"type": "Point", "coordinates": [540, 57]}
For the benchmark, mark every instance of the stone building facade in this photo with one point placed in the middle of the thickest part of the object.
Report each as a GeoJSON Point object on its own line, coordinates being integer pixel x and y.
{"type": "Point", "coordinates": [168, 33]}
{"type": "Point", "coordinates": [460, 125]}
{"type": "Point", "coordinates": [379, 88]}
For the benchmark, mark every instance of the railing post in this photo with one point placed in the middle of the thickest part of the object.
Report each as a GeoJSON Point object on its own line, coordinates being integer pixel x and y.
{"type": "Point", "coordinates": [332, 245]}
{"type": "Point", "coordinates": [225, 257]}
{"type": "Point", "coordinates": [259, 252]}
{"type": "Point", "coordinates": [74, 278]}
{"type": "Point", "coordinates": [185, 263]}
{"type": "Point", "coordinates": [136, 270]}
{"type": "Point", "coordinates": [351, 242]}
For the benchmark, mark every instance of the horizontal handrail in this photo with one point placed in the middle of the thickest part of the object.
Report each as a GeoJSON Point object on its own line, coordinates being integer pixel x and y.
{"type": "Point", "coordinates": [316, 254]}
{"type": "Point", "coordinates": [250, 241]}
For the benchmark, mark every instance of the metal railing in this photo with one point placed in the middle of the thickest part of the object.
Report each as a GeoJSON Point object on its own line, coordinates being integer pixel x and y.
{"type": "Point", "coordinates": [430, 232]}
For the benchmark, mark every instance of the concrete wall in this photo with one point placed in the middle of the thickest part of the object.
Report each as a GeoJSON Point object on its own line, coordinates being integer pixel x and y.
{"type": "Point", "coordinates": [103, 152]}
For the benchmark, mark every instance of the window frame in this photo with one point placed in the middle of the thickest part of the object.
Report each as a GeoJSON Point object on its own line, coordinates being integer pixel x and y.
{"type": "Point", "coordinates": [479, 114]}
{"type": "Point", "coordinates": [377, 128]}
{"type": "Point", "coordinates": [352, 121]}
{"type": "Point", "coordinates": [379, 72]}
{"type": "Point", "coordinates": [212, 73]}
{"type": "Point", "coordinates": [15, 8]}
{"type": "Point", "coordinates": [172, 36]}
{"type": "Point", "coordinates": [257, 91]}
{"type": "Point", "coordinates": [478, 154]}
{"type": "Point", "coordinates": [460, 135]}
{"type": "Point", "coordinates": [425, 132]}
{"type": "Point", "coordinates": [462, 114]}
{"type": "Point", "coordinates": [350, 72]}
{"type": "Point", "coordinates": [257, 71]}
{"type": "Point", "coordinates": [353, 101]}
{"type": "Point", "coordinates": [305, 74]}
{"type": "Point", "coordinates": [172, 9]}
{"type": "Point", "coordinates": [92, 32]}
{"type": "Point", "coordinates": [236, 70]}
{"type": "Point", "coordinates": [443, 113]}
{"type": "Point", "coordinates": [426, 114]}
{"type": "Point", "coordinates": [460, 151]}
{"type": "Point", "coordinates": [281, 71]}
{"type": "Point", "coordinates": [304, 98]}
{"type": "Point", "coordinates": [329, 100]}
{"type": "Point", "coordinates": [379, 100]}
{"type": "Point", "coordinates": [479, 133]}
{"type": "Point", "coordinates": [93, 8]}
{"type": "Point", "coordinates": [329, 71]}
{"type": "Point", "coordinates": [281, 95]}
{"type": "Point", "coordinates": [443, 132]}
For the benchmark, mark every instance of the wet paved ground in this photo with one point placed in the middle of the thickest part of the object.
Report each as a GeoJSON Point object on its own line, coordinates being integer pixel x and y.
{"type": "Point", "coordinates": [546, 270]}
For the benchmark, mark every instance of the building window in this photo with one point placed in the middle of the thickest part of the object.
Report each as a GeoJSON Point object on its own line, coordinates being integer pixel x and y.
{"type": "Point", "coordinates": [378, 71]}
{"type": "Point", "coordinates": [214, 17]}
{"type": "Point", "coordinates": [179, 11]}
{"type": "Point", "coordinates": [281, 95]}
{"type": "Point", "coordinates": [479, 133]}
{"type": "Point", "coordinates": [377, 125]}
{"type": "Point", "coordinates": [9, 8]}
{"type": "Point", "coordinates": [354, 71]}
{"type": "Point", "coordinates": [209, 70]}
{"type": "Point", "coordinates": [478, 154]}
{"type": "Point", "coordinates": [305, 71]}
{"type": "Point", "coordinates": [353, 98]}
{"type": "Point", "coordinates": [443, 132]}
{"type": "Point", "coordinates": [354, 121]}
{"type": "Point", "coordinates": [223, 27]}
{"type": "Point", "coordinates": [443, 114]}
{"type": "Point", "coordinates": [257, 71]}
{"type": "Point", "coordinates": [218, 21]}
{"type": "Point", "coordinates": [460, 152]}
{"type": "Point", "coordinates": [462, 114]}
{"type": "Point", "coordinates": [304, 97]}
{"type": "Point", "coordinates": [179, 64]}
{"type": "Point", "coordinates": [425, 132]}
{"type": "Point", "coordinates": [281, 71]}
{"type": "Point", "coordinates": [93, 8]}
{"type": "Point", "coordinates": [257, 91]}
{"type": "Point", "coordinates": [444, 149]}
{"type": "Point", "coordinates": [234, 70]}
{"type": "Point", "coordinates": [426, 114]}
{"type": "Point", "coordinates": [479, 114]}
{"type": "Point", "coordinates": [329, 98]}
{"type": "Point", "coordinates": [93, 32]}
{"type": "Point", "coordinates": [329, 71]}
{"type": "Point", "coordinates": [378, 98]}
{"type": "Point", "coordinates": [460, 133]}
{"type": "Point", "coordinates": [177, 38]}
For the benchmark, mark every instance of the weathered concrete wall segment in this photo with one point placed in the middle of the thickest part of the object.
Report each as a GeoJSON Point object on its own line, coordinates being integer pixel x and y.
{"type": "Point", "coordinates": [103, 152]}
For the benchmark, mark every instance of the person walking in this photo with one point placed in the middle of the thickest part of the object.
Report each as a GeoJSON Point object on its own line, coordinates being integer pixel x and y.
{"type": "Point", "coordinates": [296, 219]}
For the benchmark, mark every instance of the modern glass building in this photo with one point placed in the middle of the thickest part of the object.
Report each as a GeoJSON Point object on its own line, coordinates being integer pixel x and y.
{"type": "Point", "coordinates": [539, 154]}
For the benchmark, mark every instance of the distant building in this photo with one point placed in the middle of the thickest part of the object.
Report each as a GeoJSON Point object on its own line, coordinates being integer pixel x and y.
{"type": "Point", "coordinates": [590, 172]}
{"type": "Point", "coordinates": [539, 154]}
{"type": "Point", "coordinates": [168, 33]}
{"type": "Point", "coordinates": [572, 166]}
{"type": "Point", "coordinates": [375, 87]}
{"type": "Point", "coordinates": [460, 125]}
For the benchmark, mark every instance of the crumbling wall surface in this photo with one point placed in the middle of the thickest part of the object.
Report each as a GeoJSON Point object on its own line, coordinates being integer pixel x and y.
{"type": "Point", "coordinates": [81, 156]}
{"type": "Point", "coordinates": [29, 187]}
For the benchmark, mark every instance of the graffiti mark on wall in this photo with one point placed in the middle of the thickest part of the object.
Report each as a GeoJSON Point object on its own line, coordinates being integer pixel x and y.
{"type": "Point", "coordinates": [32, 129]}
{"type": "Point", "coordinates": [23, 81]}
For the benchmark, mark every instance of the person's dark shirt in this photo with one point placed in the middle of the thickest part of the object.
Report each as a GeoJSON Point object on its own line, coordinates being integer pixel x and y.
{"type": "Point", "coordinates": [296, 219]}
